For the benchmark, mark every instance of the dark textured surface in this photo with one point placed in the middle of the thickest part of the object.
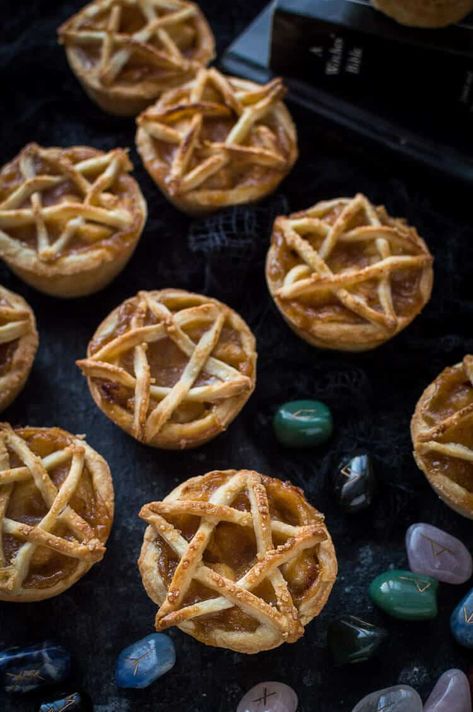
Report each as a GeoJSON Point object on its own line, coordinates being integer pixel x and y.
{"type": "Point", "coordinates": [372, 396]}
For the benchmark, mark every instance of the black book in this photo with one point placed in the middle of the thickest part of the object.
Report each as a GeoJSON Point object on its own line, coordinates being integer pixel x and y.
{"type": "Point", "coordinates": [408, 89]}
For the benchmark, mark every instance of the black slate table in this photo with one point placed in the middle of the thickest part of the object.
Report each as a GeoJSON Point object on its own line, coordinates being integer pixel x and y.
{"type": "Point", "coordinates": [372, 396]}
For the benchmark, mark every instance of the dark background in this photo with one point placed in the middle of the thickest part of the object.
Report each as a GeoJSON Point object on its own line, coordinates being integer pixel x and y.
{"type": "Point", "coordinates": [372, 396]}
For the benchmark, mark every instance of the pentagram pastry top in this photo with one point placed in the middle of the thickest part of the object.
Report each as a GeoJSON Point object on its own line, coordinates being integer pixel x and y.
{"type": "Point", "coordinates": [171, 368]}
{"type": "Point", "coordinates": [56, 511]}
{"type": "Point", "coordinates": [217, 141]}
{"type": "Point", "coordinates": [70, 218]}
{"type": "Point", "coordinates": [442, 434]}
{"type": "Point", "coordinates": [237, 559]}
{"type": "Point", "coordinates": [126, 53]}
{"type": "Point", "coordinates": [347, 276]}
{"type": "Point", "coordinates": [18, 344]}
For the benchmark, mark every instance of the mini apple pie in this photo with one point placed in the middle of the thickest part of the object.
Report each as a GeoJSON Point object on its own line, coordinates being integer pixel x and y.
{"type": "Point", "coordinates": [237, 560]}
{"type": "Point", "coordinates": [173, 369]}
{"type": "Point", "coordinates": [18, 345]}
{"type": "Point", "coordinates": [442, 434]}
{"type": "Point", "coordinates": [217, 141]}
{"type": "Point", "coordinates": [56, 511]}
{"type": "Point", "coordinates": [70, 218]}
{"type": "Point", "coordinates": [125, 53]}
{"type": "Point", "coordinates": [425, 13]}
{"type": "Point", "coordinates": [347, 276]}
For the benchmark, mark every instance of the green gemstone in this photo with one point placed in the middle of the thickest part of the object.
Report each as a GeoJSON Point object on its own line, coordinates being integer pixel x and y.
{"type": "Point", "coordinates": [405, 595]}
{"type": "Point", "coordinates": [303, 423]}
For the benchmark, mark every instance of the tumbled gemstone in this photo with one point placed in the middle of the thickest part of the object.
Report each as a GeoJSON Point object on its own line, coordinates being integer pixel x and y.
{"type": "Point", "coordinates": [400, 698]}
{"type": "Point", "coordinates": [354, 482]}
{"type": "Point", "coordinates": [143, 662]}
{"type": "Point", "coordinates": [433, 552]}
{"type": "Point", "coordinates": [405, 595]}
{"type": "Point", "coordinates": [469, 675]}
{"type": "Point", "coordinates": [461, 621]}
{"type": "Point", "coordinates": [352, 640]}
{"type": "Point", "coordinates": [450, 694]}
{"type": "Point", "coordinates": [29, 667]}
{"type": "Point", "coordinates": [71, 703]}
{"type": "Point", "coordinates": [303, 423]}
{"type": "Point", "coordinates": [269, 697]}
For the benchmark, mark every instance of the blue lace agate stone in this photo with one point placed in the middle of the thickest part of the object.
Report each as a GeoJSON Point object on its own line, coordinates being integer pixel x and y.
{"type": "Point", "coordinates": [141, 663]}
{"type": "Point", "coordinates": [461, 621]}
{"type": "Point", "coordinates": [71, 703]}
{"type": "Point", "coordinates": [30, 667]}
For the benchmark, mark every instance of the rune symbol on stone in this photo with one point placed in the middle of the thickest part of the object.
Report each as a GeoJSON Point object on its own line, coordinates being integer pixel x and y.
{"type": "Point", "coordinates": [265, 696]}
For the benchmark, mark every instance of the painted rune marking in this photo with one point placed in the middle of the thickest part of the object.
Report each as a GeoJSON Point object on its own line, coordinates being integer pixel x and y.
{"type": "Point", "coordinates": [304, 413]}
{"type": "Point", "coordinates": [420, 585]}
{"type": "Point", "coordinates": [468, 616]}
{"type": "Point", "coordinates": [25, 675]}
{"type": "Point", "coordinates": [360, 620]}
{"type": "Point", "coordinates": [348, 473]}
{"type": "Point", "coordinates": [437, 549]}
{"type": "Point", "coordinates": [136, 661]}
{"type": "Point", "coordinates": [265, 697]}
{"type": "Point", "coordinates": [68, 703]}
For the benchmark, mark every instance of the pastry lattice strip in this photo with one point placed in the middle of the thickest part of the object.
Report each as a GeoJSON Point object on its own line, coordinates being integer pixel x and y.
{"type": "Point", "coordinates": [183, 124]}
{"type": "Point", "coordinates": [429, 440]}
{"type": "Point", "coordinates": [313, 274]}
{"type": "Point", "coordinates": [14, 323]}
{"type": "Point", "coordinates": [281, 618]}
{"type": "Point", "coordinates": [116, 48]}
{"type": "Point", "coordinates": [81, 542]}
{"type": "Point", "coordinates": [154, 405]}
{"type": "Point", "coordinates": [92, 215]}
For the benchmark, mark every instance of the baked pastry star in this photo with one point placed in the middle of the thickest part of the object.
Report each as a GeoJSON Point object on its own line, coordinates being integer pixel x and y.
{"type": "Point", "coordinates": [347, 276]}
{"type": "Point", "coordinates": [18, 345]}
{"type": "Point", "coordinates": [70, 218]}
{"type": "Point", "coordinates": [56, 511]}
{"type": "Point", "coordinates": [172, 368]}
{"type": "Point", "coordinates": [442, 435]}
{"type": "Point", "coordinates": [237, 559]}
{"type": "Point", "coordinates": [126, 53]}
{"type": "Point", "coordinates": [217, 141]}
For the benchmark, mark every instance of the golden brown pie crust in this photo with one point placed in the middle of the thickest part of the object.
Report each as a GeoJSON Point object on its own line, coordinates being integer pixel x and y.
{"type": "Point", "coordinates": [217, 141]}
{"type": "Point", "coordinates": [172, 368]}
{"type": "Point", "coordinates": [425, 13]}
{"type": "Point", "coordinates": [347, 276]}
{"type": "Point", "coordinates": [125, 53]}
{"type": "Point", "coordinates": [70, 218]}
{"type": "Point", "coordinates": [442, 434]}
{"type": "Point", "coordinates": [18, 345]}
{"type": "Point", "coordinates": [237, 559]}
{"type": "Point", "coordinates": [56, 511]}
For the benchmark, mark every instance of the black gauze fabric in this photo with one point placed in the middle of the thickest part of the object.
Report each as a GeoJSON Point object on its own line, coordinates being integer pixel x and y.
{"type": "Point", "coordinates": [233, 243]}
